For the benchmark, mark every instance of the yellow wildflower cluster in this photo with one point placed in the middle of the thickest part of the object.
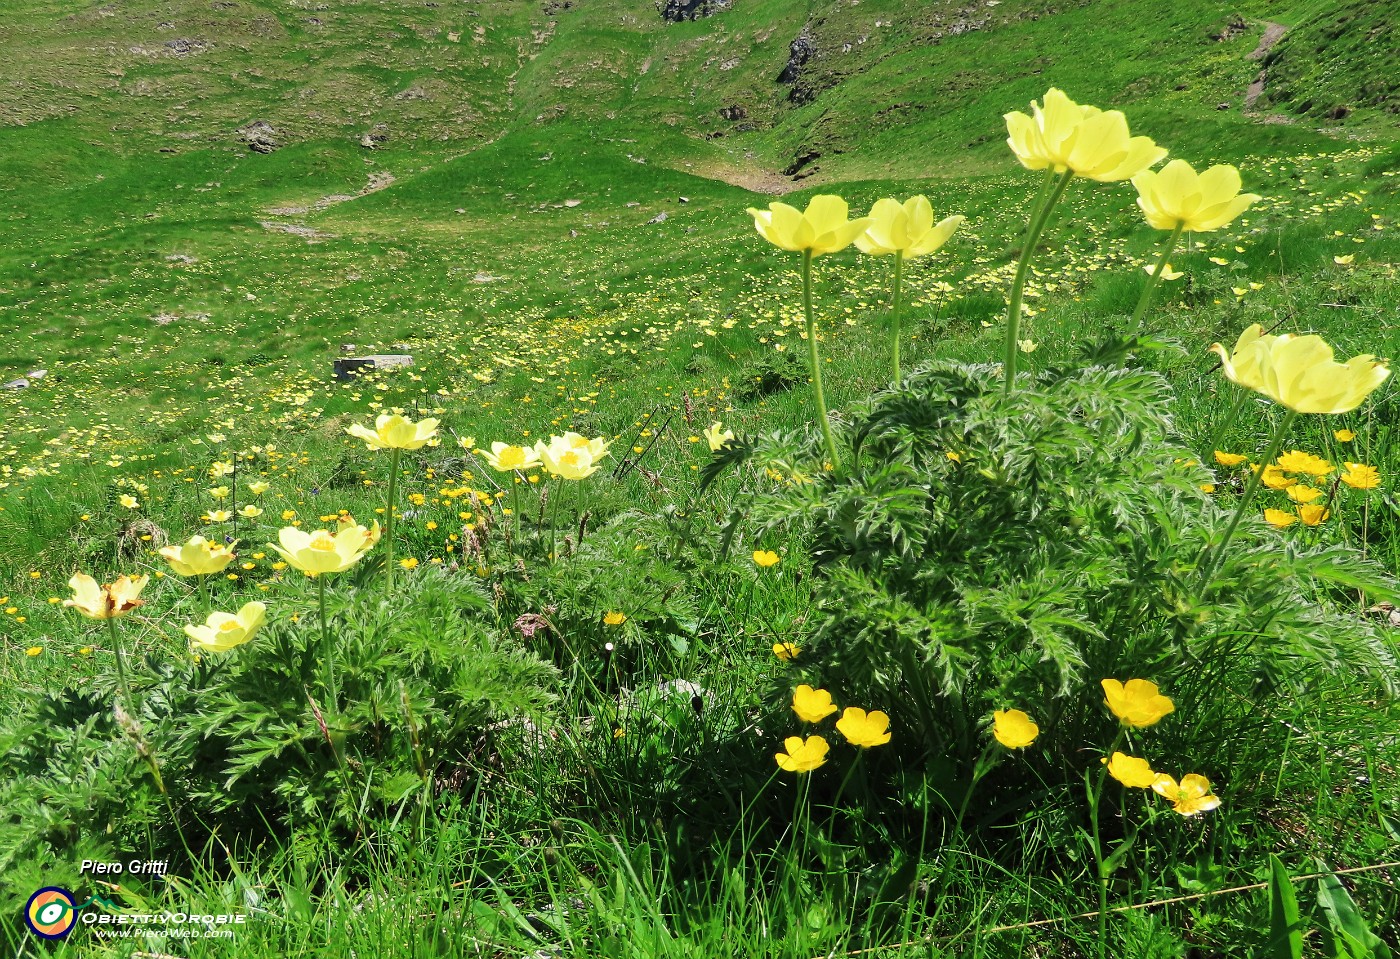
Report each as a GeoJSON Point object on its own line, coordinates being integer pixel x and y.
{"type": "Point", "coordinates": [860, 728]}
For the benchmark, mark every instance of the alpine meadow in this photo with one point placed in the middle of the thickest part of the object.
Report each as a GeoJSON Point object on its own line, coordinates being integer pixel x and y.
{"type": "Point", "coordinates": [675, 479]}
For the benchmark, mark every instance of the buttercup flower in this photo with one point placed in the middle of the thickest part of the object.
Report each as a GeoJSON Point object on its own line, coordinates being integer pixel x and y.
{"type": "Point", "coordinates": [765, 558]}
{"type": "Point", "coordinates": [392, 431]}
{"type": "Point", "coordinates": [1296, 461]}
{"type": "Point", "coordinates": [614, 618]}
{"type": "Point", "coordinates": [802, 756]}
{"type": "Point", "coordinates": [821, 228]}
{"type": "Point", "coordinates": [1131, 771]}
{"type": "Point", "coordinates": [906, 228]}
{"type": "Point", "coordinates": [1178, 197]}
{"type": "Point", "coordinates": [105, 602]}
{"type": "Point", "coordinates": [1278, 518]}
{"type": "Point", "coordinates": [1013, 728]}
{"type": "Point", "coordinates": [320, 552]}
{"type": "Point", "coordinates": [864, 729]}
{"type": "Point", "coordinates": [1343, 436]}
{"type": "Point", "coordinates": [1275, 478]}
{"type": "Point", "coordinates": [786, 651]}
{"type": "Point", "coordinates": [812, 705]}
{"type": "Point", "coordinates": [1067, 135]}
{"type": "Point", "coordinates": [1229, 459]}
{"type": "Point", "coordinates": [1313, 515]}
{"type": "Point", "coordinates": [223, 631]}
{"type": "Point", "coordinates": [1299, 372]}
{"type": "Point", "coordinates": [1190, 796]}
{"type": "Point", "coordinates": [1300, 493]}
{"type": "Point", "coordinates": [199, 557]}
{"type": "Point", "coordinates": [717, 436]}
{"type": "Point", "coordinates": [505, 458]}
{"type": "Point", "coordinates": [1136, 703]}
{"type": "Point", "coordinates": [1361, 476]}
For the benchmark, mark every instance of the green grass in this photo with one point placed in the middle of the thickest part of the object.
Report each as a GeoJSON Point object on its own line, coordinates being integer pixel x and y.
{"type": "Point", "coordinates": [163, 310]}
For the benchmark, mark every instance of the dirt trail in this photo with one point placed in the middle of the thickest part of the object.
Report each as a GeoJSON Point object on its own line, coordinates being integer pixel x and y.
{"type": "Point", "coordinates": [1273, 32]}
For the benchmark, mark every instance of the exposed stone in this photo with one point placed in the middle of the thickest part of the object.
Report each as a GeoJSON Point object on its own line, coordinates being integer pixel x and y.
{"type": "Point", "coordinates": [733, 112]}
{"type": "Point", "coordinates": [260, 136]}
{"type": "Point", "coordinates": [677, 10]}
{"type": "Point", "coordinates": [799, 52]}
{"type": "Point", "coordinates": [802, 160]}
{"type": "Point", "coordinates": [18, 384]}
{"type": "Point", "coordinates": [659, 218]}
{"type": "Point", "coordinates": [349, 366]}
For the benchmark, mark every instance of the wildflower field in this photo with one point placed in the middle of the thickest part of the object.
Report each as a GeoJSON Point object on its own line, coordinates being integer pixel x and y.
{"type": "Point", "coordinates": [979, 540]}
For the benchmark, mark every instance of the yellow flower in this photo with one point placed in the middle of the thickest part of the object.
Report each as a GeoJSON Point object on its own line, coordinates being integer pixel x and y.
{"type": "Point", "coordinates": [1136, 703]}
{"type": "Point", "coordinates": [864, 729]}
{"type": "Point", "coordinates": [1279, 518]}
{"type": "Point", "coordinates": [821, 228]}
{"type": "Point", "coordinates": [250, 511]}
{"type": "Point", "coordinates": [564, 460]}
{"type": "Point", "coordinates": [717, 436]}
{"type": "Point", "coordinates": [906, 228]}
{"type": "Point", "coordinates": [466, 442]}
{"type": "Point", "coordinates": [105, 602]}
{"type": "Point", "coordinates": [1067, 135]}
{"type": "Point", "coordinates": [1296, 461]}
{"type": "Point", "coordinates": [1343, 436]}
{"type": "Point", "coordinates": [1027, 346]}
{"type": "Point", "coordinates": [1274, 478]}
{"type": "Point", "coordinates": [614, 619]}
{"type": "Point", "coordinates": [1229, 459]}
{"type": "Point", "coordinates": [1313, 515]}
{"type": "Point", "coordinates": [322, 552]}
{"type": "Point", "coordinates": [1299, 493]}
{"type": "Point", "coordinates": [1167, 272]}
{"type": "Point", "coordinates": [1013, 728]}
{"type": "Point", "coordinates": [802, 756]}
{"type": "Point", "coordinates": [129, 501]}
{"type": "Point", "coordinates": [812, 705]}
{"type": "Point", "coordinates": [1344, 260]}
{"type": "Point", "coordinates": [259, 487]}
{"type": "Point", "coordinates": [409, 563]}
{"type": "Point", "coordinates": [765, 558]}
{"type": "Point", "coordinates": [1130, 771]}
{"type": "Point", "coordinates": [1299, 371]}
{"type": "Point", "coordinates": [219, 492]}
{"type": "Point", "coordinates": [953, 457]}
{"type": "Point", "coordinates": [1361, 476]}
{"type": "Point", "coordinates": [223, 631]}
{"type": "Point", "coordinates": [1177, 196]}
{"type": "Point", "coordinates": [505, 458]}
{"type": "Point", "coordinates": [1190, 796]}
{"type": "Point", "coordinates": [33, 650]}
{"type": "Point", "coordinates": [218, 516]}
{"type": "Point", "coordinates": [199, 557]}
{"type": "Point", "coordinates": [786, 651]}
{"type": "Point", "coordinates": [394, 432]}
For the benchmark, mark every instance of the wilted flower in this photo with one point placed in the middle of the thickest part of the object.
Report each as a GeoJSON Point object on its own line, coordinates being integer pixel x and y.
{"type": "Point", "coordinates": [392, 431]}
{"type": "Point", "coordinates": [105, 602]}
{"type": "Point", "coordinates": [1013, 728]}
{"type": "Point", "coordinates": [223, 631]}
{"type": "Point", "coordinates": [1136, 703]}
{"type": "Point", "coordinates": [864, 729]}
{"type": "Point", "coordinates": [802, 756]}
{"type": "Point", "coordinates": [812, 705]}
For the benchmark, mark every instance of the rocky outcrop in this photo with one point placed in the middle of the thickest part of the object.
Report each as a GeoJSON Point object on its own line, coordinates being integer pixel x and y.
{"type": "Point", "coordinates": [260, 136]}
{"type": "Point", "coordinates": [677, 10]}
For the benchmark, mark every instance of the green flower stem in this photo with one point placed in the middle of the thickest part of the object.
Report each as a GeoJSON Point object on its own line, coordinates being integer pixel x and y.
{"type": "Point", "coordinates": [204, 603]}
{"type": "Point", "coordinates": [1095, 794]}
{"type": "Point", "coordinates": [1212, 556]}
{"type": "Point", "coordinates": [556, 494]}
{"type": "Point", "coordinates": [327, 652]}
{"type": "Point", "coordinates": [814, 357]}
{"type": "Point", "coordinates": [1039, 219]}
{"type": "Point", "coordinates": [389, 522]}
{"type": "Point", "coordinates": [121, 664]}
{"type": "Point", "coordinates": [1146, 297]}
{"type": "Point", "coordinates": [515, 501]}
{"type": "Point", "coordinates": [894, 333]}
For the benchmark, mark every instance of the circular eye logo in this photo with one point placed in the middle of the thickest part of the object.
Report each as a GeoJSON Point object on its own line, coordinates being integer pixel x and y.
{"type": "Point", "coordinates": [51, 912]}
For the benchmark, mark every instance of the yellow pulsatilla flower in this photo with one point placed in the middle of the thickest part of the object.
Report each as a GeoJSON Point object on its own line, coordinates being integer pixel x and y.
{"type": "Point", "coordinates": [1013, 728]}
{"type": "Point", "coordinates": [395, 432]}
{"type": "Point", "coordinates": [1177, 197]}
{"type": "Point", "coordinates": [1313, 515]}
{"type": "Point", "coordinates": [220, 469]}
{"type": "Point", "coordinates": [320, 551]}
{"type": "Point", "coordinates": [787, 652]}
{"type": "Point", "coordinates": [348, 521]}
{"type": "Point", "coordinates": [566, 462]}
{"type": "Point", "coordinates": [802, 756]}
{"type": "Point", "coordinates": [812, 705]}
{"type": "Point", "coordinates": [1190, 796]}
{"type": "Point", "coordinates": [1361, 476]}
{"type": "Point", "coordinates": [1299, 493]}
{"type": "Point", "coordinates": [1131, 771]}
{"type": "Point", "coordinates": [1229, 459]}
{"type": "Point", "coordinates": [1167, 272]}
{"type": "Point", "coordinates": [1136, 703]}
{"type": "Point", "coordinates": [1343, 436]}
{"type": "Point", "coordinates": [1278, 518]}
{"type": "Point", "coordinates": [221, 632]}
{"type": "Point", "coordinates": [105, 602]}
{"type": "Point", "coordinates": [250, 511]}
{"type": "Point", "coordinates": [765, 558]}
{"type": "Point", "coordinates": [199, 557]}
{"type": "Point", "coordinates": [1296, 461]}
{"type": "Point", "coordinates": [906, 228]}
{"type": "Point", "coordinates": [218, 516]}
{"type": "Point", "coordinates": [505, 457]}
{"type": "Point", "coordinates": [822, 228]}
{"type": "Point", "coordinates": [259, 487]}
{"type": "Point", "coordinates": [1299, 372]}
{"type": "Point", "coordinates": [1064, 135]}
{"type": "Point", "coordinates": [596, 447]}
{"type": "Point", "coordinates": [864, 729]}
{"type": "Point", "coordinates": [717, 436]}
{"type": "Point", "coordinates": [129, 501]}
{"type": "Point", "coordinates": [219, 492]}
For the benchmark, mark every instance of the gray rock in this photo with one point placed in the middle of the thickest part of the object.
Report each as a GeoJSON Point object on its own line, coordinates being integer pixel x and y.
{"type": "Point", "coordinates": [18, 384]}
{"type": "Point", "coordinates": [659, 218]}
{"type": "Point", "coordinates": [260, 136]}
{"type": "Point", "coordinates": [347, 367]}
